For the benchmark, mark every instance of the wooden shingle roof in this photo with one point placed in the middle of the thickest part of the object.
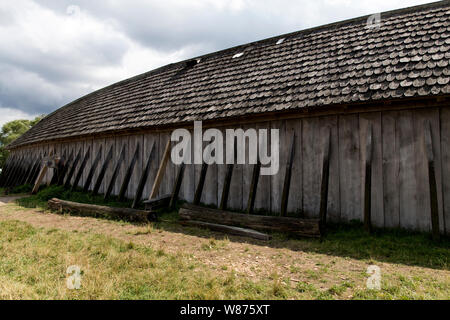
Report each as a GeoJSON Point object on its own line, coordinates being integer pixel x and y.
{"type": "Point", "coordinates": [406, 56]}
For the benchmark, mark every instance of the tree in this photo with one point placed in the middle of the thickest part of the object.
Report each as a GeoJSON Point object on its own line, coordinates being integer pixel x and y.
{"type": "Point", "coordinates": [10, 132]}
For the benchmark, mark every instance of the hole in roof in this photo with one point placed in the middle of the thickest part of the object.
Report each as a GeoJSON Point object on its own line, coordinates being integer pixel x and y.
{"type": "Point", "coordinates": [191, 63]}
{"type": "Point", "coordinates": [280, 41]}
{"type": "Point", "coordinates": [237, 55]}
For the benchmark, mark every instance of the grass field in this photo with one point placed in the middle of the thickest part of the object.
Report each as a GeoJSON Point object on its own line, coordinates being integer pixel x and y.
{"type": "Point", "coordinates": [120, 260]}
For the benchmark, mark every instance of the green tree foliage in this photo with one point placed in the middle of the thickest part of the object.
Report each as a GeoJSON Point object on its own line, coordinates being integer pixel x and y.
{"type": "Point", "coordinates": [10, 132]}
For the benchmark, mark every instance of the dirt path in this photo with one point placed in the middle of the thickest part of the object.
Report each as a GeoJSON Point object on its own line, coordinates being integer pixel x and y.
{"type": "Point", "coordinates": [6, 200]}
{"type": "Point", "coordinates": [250, 258]}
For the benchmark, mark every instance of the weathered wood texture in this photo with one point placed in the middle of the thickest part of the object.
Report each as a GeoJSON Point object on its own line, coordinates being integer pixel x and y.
{"type": "Point", "coordinates": [297, 226]}
{"type": "Point", "coordinates": [400, 194]}
{"type": "Point", "coordinates": [98, 211]}
{"type": "Point", "coordinates": [237, 231]}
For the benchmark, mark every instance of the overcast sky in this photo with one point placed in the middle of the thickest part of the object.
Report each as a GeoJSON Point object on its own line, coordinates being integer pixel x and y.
{"type": "Point", "coordinates": [54, 51]}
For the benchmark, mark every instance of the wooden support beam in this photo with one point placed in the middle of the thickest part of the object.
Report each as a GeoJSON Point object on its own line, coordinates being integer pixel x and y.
{"type": "Point", "coordinates": [324, 183]}
{"type": "Point", "coordinates": [27, 171]}
{"type": "Point", "coordinates": [227, 182]}
{"type": "Point", "coordinates": [39, 179]}
{"type": "Point", "coordinates": [94, 166]}
{"type": "Point", "coordinates": [52, 153]}
{"type": "Point", "coordinates": [177, 186]}
{"type": "Point", "coordinates": [432, 182]}
{"type": "Point", "coordinates": [35, 167]}
{"type": "Point", "coordinates": [201, 183]}
{"type": "Point", "coordinates": [72, 169]}
{"type": "Point", "coordinates": [161, 171]}
{"type": "Point", "coordinates": [158, 203]}
{"type": "Point", "coordinates": [102, 173]}
{"type": "Point", "coordinates": [7, 170]}
{"type": "Point", "coordinates": [253, 187]}
{"type": "Point", "coordinates": [115, 173]}
{"type": "Point", "coordinates": [81, 170]}
{"type": "Point", "coordinates": [13, 175]}
{"type": "Point", "coordinates": [64, 168]}
{"type": "Point", "coordinates": [57, 171]}
{"type": "Point", "coordinates": [295, 226]}
{"type": "Point", "coordinates": [96, 211]}
{"type": "Point", "coordinates": [287, 177]}
{"type": "Point", "coordinates": [126, 179]}
{"type": "Point", "coordinates": [143, 179]}
{"type": "Point", "coordinates": [368, 181]}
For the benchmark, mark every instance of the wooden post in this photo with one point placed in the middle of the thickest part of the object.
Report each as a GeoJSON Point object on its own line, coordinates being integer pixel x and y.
{"type": "Point", "coordinates": [80, 171]}
{"type": "Point", "coordinates": [143, 179]}
{"type": "Point", "coordinates": [253, 187]}
{"type": "Point", "coordinates": [115, 173]}
{"type": "Point", "coordinates": [102, 173]}
{"type": "Point", "coordinates": [92, 170]}
{"type": "Point", "coordinates": [126, 179]}
{"type": "Point", "coordinates": [287, 178]}
{"type": "Point", "coordinates": [64, 169]}
{"type": "Point", "coordinates": [72, 169]}
{"type": "Point", "coordinates": [201, 183]}
{"type": "Point", "coordinates": [432, 182]}
{"type": "Point", "coordinates": [177, 186]}
{"type": "Point", "coordinates": [324, 183]}
{"type": "Point", "coordinates": [227, 182]}
{"type": "Point", "coordinates": [39, 179]}
{"type": "Point", "coordinates": [161, 170]}
{"type": "Point", "coordinates": [368, 182]}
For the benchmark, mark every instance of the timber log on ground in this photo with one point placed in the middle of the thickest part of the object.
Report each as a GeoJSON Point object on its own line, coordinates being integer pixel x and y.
{"type": "Point", "coordinates": [91, 210]}
{"type": "Point", "coordinates": [295, 226]}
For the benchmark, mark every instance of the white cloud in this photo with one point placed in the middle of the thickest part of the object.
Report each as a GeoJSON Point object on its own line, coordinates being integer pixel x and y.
{"type": "Point", "coordinates": [9, 114]}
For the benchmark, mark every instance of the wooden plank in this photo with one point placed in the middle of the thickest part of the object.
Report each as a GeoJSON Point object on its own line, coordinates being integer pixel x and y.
{"type": "Point", "coordinates": [391, 168]}
{"type": "Point", "coordinates": [134, 141]}
{"type": "Point", "coordinates": [247, 171]}
{"type": "Point", "coordinates": [325, 182]}
{"type": "Point", "coordinates": [99, 148]}
{"type": "Point", "coordinates": [151, 142]}
{"type": "Point", "coordinates": [276, 181]}
{"type": "Point", "coordinates": [445, 164]}
{"type": "Point", "coordinates": [350, 168]}
{"type": "Point", "coordinates": [201, 183]}
{"type": "Point", "coordinates": [296, 226]}
{"type": "Point", "coordinates": [122, 143]}
{"type": "Point", "coordinates": [144, 177]}
{"type": "Point", "coordinates": [39, 179]}
{"type": "Point", "coordinates": [253, 187]}
{"type": "Point", "coordinates": [94, 166]}
{"type": "Point", "coordinates": [434, 211]}
{"type": "Point", "coordinates": [227, 180]}
{"type": "Point", "coordinates": [262, 200]}
{"type": "Point", "coordinates": [188, 182]}
{"type": "Point", "coordinates": [65, 166]}
{"type": "Point", "coordinates": [168, 178]}
{"type": "Point", "coordinates": [373, 121]}
{"type": "Point", "coordinates": [177, 186]}
{"type": "Point", "coordinates": [14, 172]}
{"type": "Point", "coordinates": [368, 180]}
{"type": "Point", "coordinates": [81, 169]}
{"type": "Point", "coordinates": [311, 166]}
{"type": "Point", "coordinates": [295, 201]}
{"type": "Point", "coordinates": [161, 170]}
{"type": "Point", "coordinates": [115, 173]}
{"type": "Point", "coordinates": [235, 189]}
{"type": "Point", "coordinates": [288, 173]}
{"type": "Point", "coordinates": [129, 172]}
{"type": "Point", "coordinates": [103, 170]}
{"type": "Point", "coordinates": [407, 174]}
{"type": "Point", "coordinates": [6, 169]}
{"type": "Point", "coordinates": [109, 143]}
{"type": "Point", "coordinates": [96, 210]}
{"type": "Point", "coordinates": [72, 169]}
{"type": "Point", "coordinates": [236, 231]}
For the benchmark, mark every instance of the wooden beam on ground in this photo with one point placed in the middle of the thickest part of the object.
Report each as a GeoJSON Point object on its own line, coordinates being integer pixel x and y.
{"type": "Point", "coordinates": [94, 166]}
{"type": "Point", "coordinates": [82, 166]}
{"type": "Point", "coordinates": [115, 173]}
{"type": "Point", "coordinates": [96, 211]}
{"type": "Point", "coordinates": [102, 173]}
{"type": "Point", "coordinates": [253, 187]}
{"type": "Point", "coordinates": [143, 179]}
{"type": "Point", "coordinates": [432, 182]}
{"type": "Point", "coordinates": [295, 226]}
{"type": "Point", "coordinates": [126, 179]}
{"type": "Point", "coordinates": [72, 169]}
{"type": "Point", "coordinates": [324, 183]}
{"type": "Point", "coordinates": [177, 186]}
{"type": "Point", "coordinates": [65, 168]}
{"type": "Point", "coordinates": [237, 231]}
{"type": "Point", "coordinates": [201, 183]}
{"type": "Point", "coordinates": [368, 182]}
{"type": "Point", "coordinates": [161, 171]}
{"type": "Point", "coordinates": [158, 203]}
{"type": "Point", "coordinates": [287, 177]}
